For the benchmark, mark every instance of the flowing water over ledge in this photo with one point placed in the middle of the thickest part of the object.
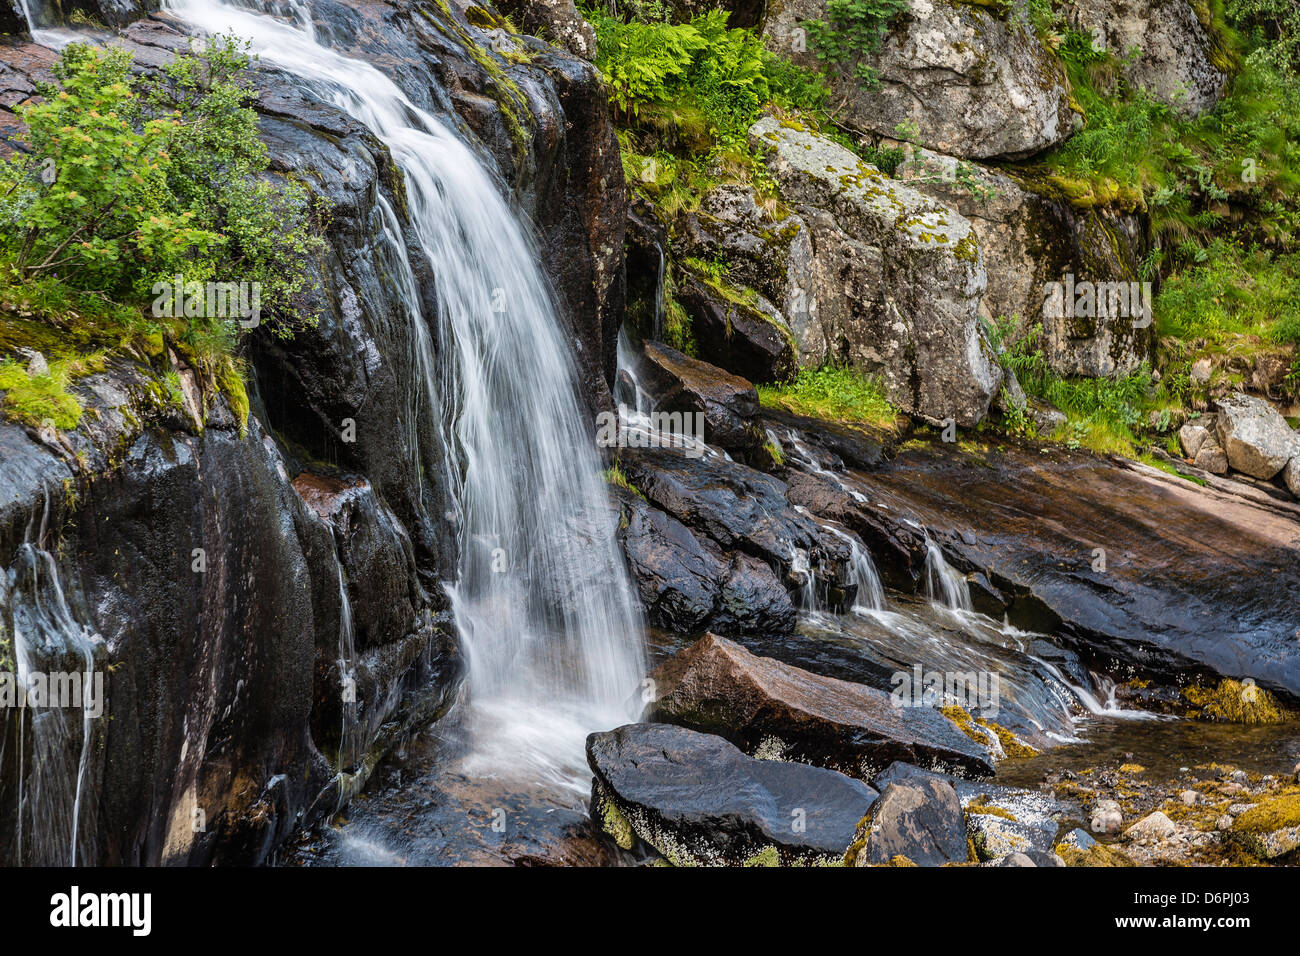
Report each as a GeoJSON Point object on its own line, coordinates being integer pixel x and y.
{"type": "Point", "coordinates": [541, 599]}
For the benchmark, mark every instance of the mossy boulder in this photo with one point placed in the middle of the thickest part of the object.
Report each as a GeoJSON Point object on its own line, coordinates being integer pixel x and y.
{"type": "Point", "coordinates": [893, 288]}
{"type": "Point", "coordinates": [1164, 46]}
{"type": "Point", "coordinates": [1270, 829]}
{"type": "Point", "coordinates": [1030, 234]}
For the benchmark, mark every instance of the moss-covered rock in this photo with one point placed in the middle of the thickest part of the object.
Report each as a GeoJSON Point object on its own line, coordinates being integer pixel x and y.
{"type": "Point", "coordinates": [894, 285]}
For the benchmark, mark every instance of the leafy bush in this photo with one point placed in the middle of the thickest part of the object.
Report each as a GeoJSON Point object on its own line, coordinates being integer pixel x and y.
{"type": "Point", "coordinates": [853, 30]}
{"type": "Point", "coordinates": [126, 181]}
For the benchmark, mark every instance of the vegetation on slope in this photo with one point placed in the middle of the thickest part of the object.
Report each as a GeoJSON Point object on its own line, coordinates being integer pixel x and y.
{"type": "Point", "coordinates": [127, 188]}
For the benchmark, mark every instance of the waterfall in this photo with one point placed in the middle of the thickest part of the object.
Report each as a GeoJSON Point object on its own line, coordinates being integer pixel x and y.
{"type": "Point", "coordinates": [660, 278]}
{"type": "Point", "coordinates": [349, 745]}
{"type": "Point", "coordinates": [944, 585]}
{"type": "Point", "coordinates": [541, 598]}
{"type": "Point", "coordinates": [53, 673]}
{"type": "Point", "coordinates": [862, 573]}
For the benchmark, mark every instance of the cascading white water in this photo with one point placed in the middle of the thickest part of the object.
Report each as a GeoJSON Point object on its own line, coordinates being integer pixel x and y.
{"type": "Point", "coordinates": [55, 818]}
{"type": "Point", "coordinates": [349, 745]}
{"type": "Point", "coordinates": [944, 584]}
{"type": "Point", "coordinates": [862, 573]}
{"type": "Point", "coordinates": [541, 599]}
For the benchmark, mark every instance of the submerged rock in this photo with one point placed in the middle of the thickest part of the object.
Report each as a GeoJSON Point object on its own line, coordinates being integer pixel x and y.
{"type": "Point", "coordinates": [920, 821]}
{"type": "Point", "coordinates": [697, 800]}
{"type": "Point", "coordinates": [778, 711]}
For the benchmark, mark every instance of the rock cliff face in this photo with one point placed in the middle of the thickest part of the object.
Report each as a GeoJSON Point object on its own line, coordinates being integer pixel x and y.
{"type": "Point", "coordinates": [967, 79]}
{"type": "Point", "coordinates": [321, 522]}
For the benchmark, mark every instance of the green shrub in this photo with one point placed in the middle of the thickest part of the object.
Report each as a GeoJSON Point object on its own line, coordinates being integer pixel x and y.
{"type": "Point", "coordinates": [853, 31]}
{"type": "Point", "coordinates": [129, 180]}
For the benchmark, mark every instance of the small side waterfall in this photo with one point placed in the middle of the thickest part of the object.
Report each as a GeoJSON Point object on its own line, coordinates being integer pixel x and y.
{"type": "Point", "coordinates": [349, 744]}
{"type": "Point", "coordinates": [52, 678]}
{"type": "Point", "coordinates": [944, 585]}
{"type": "Point", "coordinates": [862, 573]}
{"type": "Point", "coordinates": [541, 598]}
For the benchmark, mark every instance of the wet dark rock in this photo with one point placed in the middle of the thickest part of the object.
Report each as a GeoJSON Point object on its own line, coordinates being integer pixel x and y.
{"type": "Point", "coordinates": [778, 711]}
{"type": "Point", "coordinates": [686, 581]}
{"type": "Point", "coordinates": [12, 21]}
{"type": "Point", "coordinates": [753, 599]}
{"type": "Point", "coordinates": [696, 799]}
{"type": "Point", "coordinates": [849, 446]}
{"type": "Point", "coordinates": [678, 577]}
{"type": "Point", "coordinates": [1195, 581]}
{"type": "Point", "coordinates": [920, 821]}
{"type": "Point", "coordinates": [747, 338]}
{"type": "Point", "coordinates": [742, 510]}
{"type": "Point", "coordinates": [680, 383]}
{"type": "Point", "coordinates": [114, 14]}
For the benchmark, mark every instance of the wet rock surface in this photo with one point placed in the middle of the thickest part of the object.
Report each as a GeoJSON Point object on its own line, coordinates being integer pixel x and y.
{"type": "Point", "coordinates": [696, 799]}
{"type": "Point", "coordinates": [777, 711]}
{"type": "Point", "coordinates": [1204, 594]}
{"type": "Point", "coordinates": [721, 537]}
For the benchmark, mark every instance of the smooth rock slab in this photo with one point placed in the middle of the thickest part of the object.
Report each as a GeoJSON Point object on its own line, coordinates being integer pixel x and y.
{"type": "Point", "coordinates": [697, 800]}
{"type": "Point", "coordinates": [783, 712]}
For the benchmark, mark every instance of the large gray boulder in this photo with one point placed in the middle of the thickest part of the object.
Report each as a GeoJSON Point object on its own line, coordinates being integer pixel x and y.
{"type": "Point", "coordinates": [1164, 47]}
{"type": "Point", "coordinates": [971, 81]}
{"type": "Point", "coordinates": [1255, 436]}
{"type": "Point", "coordinates": [1030, 237]}
{"type": "Point", "coordinates": [894, 286]}
{"type": "Point", "coordinates": [697, 800]}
